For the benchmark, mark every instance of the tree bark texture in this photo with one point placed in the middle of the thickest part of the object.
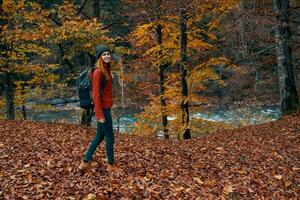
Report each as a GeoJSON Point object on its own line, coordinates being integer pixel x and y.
{"type": "Point", "coordinates": [9, 96]}
{"type": "Point", "coordinates": [161, 70]}
{"type": "Point", "coordinates": [7, 81]}
{"type": "Point", "coordinates": [23, 104]}
{"type": "Point", "coordinates": [243, 29]}
{"type": "Point", "coordinates": [183, 74]}
{"type": "Point", "coordinates": [287, 84]}
{"type": "Point", "coordinates": [96, 8]}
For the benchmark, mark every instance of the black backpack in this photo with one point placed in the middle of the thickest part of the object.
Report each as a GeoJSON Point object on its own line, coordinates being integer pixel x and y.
{"type": "Point", "coordinates": [84, 88]}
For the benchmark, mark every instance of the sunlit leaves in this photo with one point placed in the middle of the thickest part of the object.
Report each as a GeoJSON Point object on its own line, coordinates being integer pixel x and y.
{"type": "Point", "coordinates": [23, 35]}
{"type": "Point", "coordinates": [144, 34]}
{"type": "Point", "coordinates": [9, 7]}
{"type": "Point", "coordinates": [202, 22]}
{"type": "Point", "coordinates": [31, 34]}
{"type": "Point", "coordinates": [81, 34]}
{"type": "Point", "coordinates": [205, 71]}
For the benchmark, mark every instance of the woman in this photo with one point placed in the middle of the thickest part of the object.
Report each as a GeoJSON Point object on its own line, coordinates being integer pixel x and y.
{"type": "Point", "coordinates": [102, 98]}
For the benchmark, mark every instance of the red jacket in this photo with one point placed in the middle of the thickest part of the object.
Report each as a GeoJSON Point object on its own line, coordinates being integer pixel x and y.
{"type": "Point", "coordinates": [104, 101]}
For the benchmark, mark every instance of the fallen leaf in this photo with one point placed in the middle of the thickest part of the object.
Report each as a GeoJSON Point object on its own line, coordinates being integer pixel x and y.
{"type": "Point", "coordinates": [179, 189]}
{"type": "Point", "coordinates": [69, 169]}
{"type": "Point", "coordinates": [5, 156]}
{"type": "Point", "coordinates": [243, 171]}
{"type": "Point", "coordinates": [178, 168]}
{"type": "Point", "coordinates": [228, 189]}
{"type": "Point", "coordinates": [287, 183]}
{"type": "Point", "coordinates": [279, 177]}
{"type": "Point", "coordinates": [29, 177]}
{"type": "Point", "coordinates": [90, 197]}
{"type": "Point", "coordinates": [27, 165]}
{"type": "Point", "coordinates": [198, 180]}
{"type": "Point", "coordinates": [210, 182]}
{"type": "Point", "coordinates": [13, 177]}
{"type": "Point", "coordinates": [49, 163]}
{"type": "Point", "coordinates": [296, 169]}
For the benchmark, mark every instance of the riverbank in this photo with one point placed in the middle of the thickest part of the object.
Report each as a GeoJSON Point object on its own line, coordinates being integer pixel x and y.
{"type": "Point", "coordinates": [39, 160]}
{"type": "Point", "coordinates": [68, 111]}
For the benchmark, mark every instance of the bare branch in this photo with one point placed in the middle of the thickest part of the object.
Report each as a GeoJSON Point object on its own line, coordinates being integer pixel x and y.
{"type": "Point", "coordinates": [80, 10]}
{"type": "Point", "coordinates": [81, 7]}
{"type": "Point", "coordinates": [295, 21]}
{"type": "Point", "coordinates": [253, 55]}
{"type": "Point", "coordinates": [57, 22]}
{"type": "Point", "coordinates": [294, 8]}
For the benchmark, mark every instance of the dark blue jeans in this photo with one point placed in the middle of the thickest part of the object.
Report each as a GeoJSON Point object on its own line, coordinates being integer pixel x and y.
{"type": "Point", "coordinates": [103, 130]}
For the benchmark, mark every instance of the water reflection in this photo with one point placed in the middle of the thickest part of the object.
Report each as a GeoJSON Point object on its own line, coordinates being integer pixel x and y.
{"type": "Point", "coordinates": [124, 124]}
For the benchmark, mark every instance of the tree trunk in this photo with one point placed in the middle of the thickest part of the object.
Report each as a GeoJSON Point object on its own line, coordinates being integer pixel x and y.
{"type": "Point", "coordinates": [66, 61]}
{"type": "Point", "coordinates": [288, 91]}
{"type": "Point", "coordinates": [161, 71]}
{"type": "Point", "coordinates": [121, 82]}
{"type": "Point", "coordinates": [23, 104]}
{"type": "Point", "coordinates": [7, 80]}
{"type": "Point", "coordinates": [96, 8]}
{"type": "Point", "coordinates": [9, 97]}
{"type": "Point", "coordinates": [183, 73]}
{"type": "Point", "coordinates": [243, 28]}
{"type": "Point", "coordinates": [24, 112]}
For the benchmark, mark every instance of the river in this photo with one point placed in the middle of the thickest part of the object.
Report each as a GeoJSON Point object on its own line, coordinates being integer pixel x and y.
{"type": "Point", "coordinates": [71, 113]}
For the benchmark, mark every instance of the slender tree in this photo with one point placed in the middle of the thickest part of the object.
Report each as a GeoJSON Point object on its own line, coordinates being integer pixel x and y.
{"type": "Point", "coordinates": [21, 36]}
{"type": "Point", "coordinates": [9, 96]}
{"type": "Point", "coordinates": [183, 75]}
{"type": "Point", "coordinates": [6, 77]}
{"type": "Point", "coordinates": [96, 8]}
{"type": "Point", "coordinates": [161, 71]}
{"type": "Point", "coordinates": [182, 39]}
{"type": "Point", "coordinates": [154, 11]}
{"type": "Point", "coordinates": [288, 91]}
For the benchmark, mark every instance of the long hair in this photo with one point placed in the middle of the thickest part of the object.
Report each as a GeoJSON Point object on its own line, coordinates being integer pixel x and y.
{"type": "Point", "coordinates": [101, 65]}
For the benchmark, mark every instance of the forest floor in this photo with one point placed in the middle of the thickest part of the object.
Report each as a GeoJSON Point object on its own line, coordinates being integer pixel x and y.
{"type": "Point", "coordinates": [39, 161]}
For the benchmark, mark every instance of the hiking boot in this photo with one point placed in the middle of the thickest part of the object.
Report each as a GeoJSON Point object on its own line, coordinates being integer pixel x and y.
{"type": "Point", "coordinates": [83, 166]}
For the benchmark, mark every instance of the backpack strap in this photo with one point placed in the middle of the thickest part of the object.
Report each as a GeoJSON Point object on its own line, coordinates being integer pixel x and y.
{"type": "Point", "coordinates": [90, 74]}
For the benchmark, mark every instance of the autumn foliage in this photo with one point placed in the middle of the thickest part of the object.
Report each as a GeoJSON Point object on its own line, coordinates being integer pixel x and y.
{"type": "Point", "coordinates": [36, 44]}
{"type": "Point", "coordinates": [202, 23]}
{"type": "Point", "coordinates": [39, 160]}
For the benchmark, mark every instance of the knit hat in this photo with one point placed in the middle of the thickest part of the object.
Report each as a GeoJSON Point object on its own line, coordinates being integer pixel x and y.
{"type": "Point", "coordinates": [100, 49]}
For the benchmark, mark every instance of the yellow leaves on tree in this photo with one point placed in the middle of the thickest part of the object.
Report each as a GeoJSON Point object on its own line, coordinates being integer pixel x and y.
{"type": "Point", "coordinates": [144, 38]}
{"type": "Point", "coordinates": [144, 34]}
{"type": "Point", "coordinates": [9, 6]}
{"type": "Point", "coordinates": [201, 37]}
{"type": "Point", "coordinates": [30, 30]}
{"type": "Point", "coordinates": [22, 31]}
{"type": "Point", "coordinates": [83, 34]}
{"type": "Point", "coordinates": [23, 34]}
